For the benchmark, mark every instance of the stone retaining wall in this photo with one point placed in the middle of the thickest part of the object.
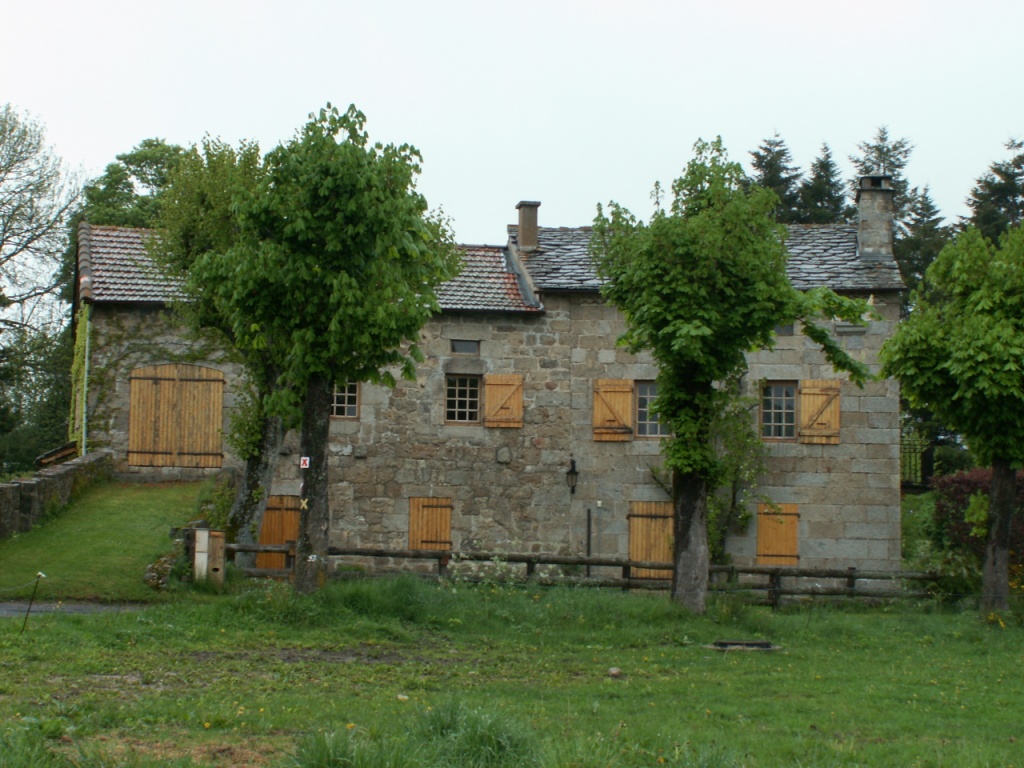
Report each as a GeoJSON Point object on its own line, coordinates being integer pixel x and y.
{"type": "Point", "coordinates": [25, 503]}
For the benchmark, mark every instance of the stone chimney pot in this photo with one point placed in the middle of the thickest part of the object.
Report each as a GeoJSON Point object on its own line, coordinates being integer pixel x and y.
{"type": "Point", "coordinates": [875, 221]}
{"type": "Point", "coordinates": [527, 232]}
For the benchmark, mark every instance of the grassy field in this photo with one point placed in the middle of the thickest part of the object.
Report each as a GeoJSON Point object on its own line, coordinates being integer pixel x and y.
{"type": "Point", "coordinates": [401, 672]}
{"type": "Point", "coordinates": [98, 549]}
{"type": "Point", "coordinates": [245, 679]}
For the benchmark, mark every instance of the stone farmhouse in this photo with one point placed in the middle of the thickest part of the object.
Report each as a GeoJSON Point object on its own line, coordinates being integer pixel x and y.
{"type": "Point", "coordinates": [523, 388]}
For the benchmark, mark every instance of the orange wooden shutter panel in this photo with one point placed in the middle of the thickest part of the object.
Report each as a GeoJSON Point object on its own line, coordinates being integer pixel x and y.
{"type": "Point", "coordinates": [280, 525]}
{"type": "Point", "coordinates": [650, 537]}
{"type": "Point", "coordinates": [777, 529]}
{"type": "Point", "coordinates": [819, 411]}
{"type": "Point", "coordinates": [430, 523]}
{"type": "Point", "coordinates": [503, 400]}
{"type": "Point", "coordinates": [613, 410]}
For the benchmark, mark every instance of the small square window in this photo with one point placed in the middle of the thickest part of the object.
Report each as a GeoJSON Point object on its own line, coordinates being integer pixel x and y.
{"type": "Point", "coordinates": [345, 404]}
{"type": "Point", "coordinates": [646, 422]}
{"type": "Point", "coordinates": [778, 411]}
{"type": "Point", "coordinates": [462, 399]}
{"type": "Point", "coordinates": [465, 347]}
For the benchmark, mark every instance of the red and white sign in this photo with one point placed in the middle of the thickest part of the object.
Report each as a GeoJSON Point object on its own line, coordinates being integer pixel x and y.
{"type": "Point", "coordinates": [304, 462]}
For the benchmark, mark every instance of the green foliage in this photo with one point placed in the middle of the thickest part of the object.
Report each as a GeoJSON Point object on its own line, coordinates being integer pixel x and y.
{"type": "Point", "coordinates": [321, 258]}
{"type": "Point", "coordinates": [883, 155]}
{"type": "Point", "coordinates": [923, 239]}
{"type": "Point", "coordinates": [960, 352]}
{"type": "Point", "coordinates": [700, 285]}
{"type": "Point", "coordinates": [128, 193]}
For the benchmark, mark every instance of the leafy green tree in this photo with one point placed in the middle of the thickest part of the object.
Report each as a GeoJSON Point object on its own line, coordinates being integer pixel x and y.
{"type": "Point", "coordinates": [822, 196]}
{"type": "Point", "coordinates": [196, 218]}
{"type": "Point", "coordinates": [700, 285]}
{"type": "Point", "coordinates": [331, 274]}
{"type": "Point", "coordinates": [36, 199]}
{"type": "Point", "coordinates": [997, 199]}
{"type": "Point", "coordinates": [774, 170]}
{"type": "Point", "coordinates": [960, 353]}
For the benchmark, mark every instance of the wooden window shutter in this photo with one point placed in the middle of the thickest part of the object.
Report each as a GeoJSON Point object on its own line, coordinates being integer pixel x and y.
{"type": "Point", "coordinates": [613, 410]}
{"type": "Point", "coordinates": [650, 537]}
{"type": "Point", "coordinates": [280, 525]}
{"type": "Point", "coordinates": [819, 411]}
{"type": "Point", "coordinates": [503, 400]}
{"type": "Point", "coordinates": [430, 523]}
{"type": "Point", "coordinates": [777, 529]}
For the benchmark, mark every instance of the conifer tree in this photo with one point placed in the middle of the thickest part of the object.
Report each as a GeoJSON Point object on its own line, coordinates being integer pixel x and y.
{"type": "Point", "coordinates": [774, 170]}
{"type": "Point", "coordinates": [997, 200]}
{"type": "Point", "coordinates": [822, 196]}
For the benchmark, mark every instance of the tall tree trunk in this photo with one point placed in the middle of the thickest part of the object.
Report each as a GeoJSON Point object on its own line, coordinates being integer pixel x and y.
{"type": "Point", "coordinates": [315, 516]}
{"type": "Point", "coordinates": [996, 574]}
{"type": "Point", "coordinates": [690, 545]}
{"type": "Point", "coordinates": [254, 489]}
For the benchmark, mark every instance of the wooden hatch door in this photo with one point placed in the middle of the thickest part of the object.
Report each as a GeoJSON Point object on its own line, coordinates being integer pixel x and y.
{"type": "Point", "coordinates": [650, 537]}
{"type": "Point", "coordinates": [280, 526]}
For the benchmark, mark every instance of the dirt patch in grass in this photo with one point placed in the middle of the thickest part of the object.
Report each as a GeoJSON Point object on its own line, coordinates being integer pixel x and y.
{"type": "Point", "coordinates": [361, 654]}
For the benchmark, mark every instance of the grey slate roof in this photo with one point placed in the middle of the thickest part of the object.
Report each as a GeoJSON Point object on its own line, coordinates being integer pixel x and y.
{"type": "Point", "coordinates": [819, 254]}
{"type": "Point", "coordinates": [488, 282]}
{"type": "Point", "coordinates": [113, 266]}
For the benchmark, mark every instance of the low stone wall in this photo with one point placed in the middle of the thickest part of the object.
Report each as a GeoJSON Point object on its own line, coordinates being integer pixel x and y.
{"type": "Point", "coordinates": [25, 503]}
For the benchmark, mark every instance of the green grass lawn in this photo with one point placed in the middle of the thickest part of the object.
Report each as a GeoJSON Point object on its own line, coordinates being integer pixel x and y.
{"type": "Point", "coordinates": [98, 548]}
{"type": "Point", "coordinates": [410, 673]}
{"type": "Point", "coordinates": [406, 673]}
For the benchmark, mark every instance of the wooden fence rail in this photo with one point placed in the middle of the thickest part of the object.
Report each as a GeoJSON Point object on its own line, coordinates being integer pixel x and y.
{"type": "Point", "coordinates": [772, 582]}
{"type": "Point", "coordinates": [768, 583]}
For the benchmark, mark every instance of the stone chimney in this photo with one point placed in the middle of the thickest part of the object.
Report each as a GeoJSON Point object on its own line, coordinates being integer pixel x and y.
{"type": "Point", "coordinates": [527, 225]}
{"type": "Point", "coordinates": [876, 210]}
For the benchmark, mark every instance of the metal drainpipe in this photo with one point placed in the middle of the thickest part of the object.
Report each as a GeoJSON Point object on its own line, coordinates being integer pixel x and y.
{"type": "Point", "coordinates": [85, 382]}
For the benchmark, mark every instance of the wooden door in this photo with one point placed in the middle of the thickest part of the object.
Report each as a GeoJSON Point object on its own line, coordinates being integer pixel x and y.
{"type": "Point", "coordinates": [280, 526]}
{"type": "Point", "coordinates": [650, 537]}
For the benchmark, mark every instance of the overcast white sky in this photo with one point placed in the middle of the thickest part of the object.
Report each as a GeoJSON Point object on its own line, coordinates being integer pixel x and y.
{"type": "Point", "coordinates": [570, 102]}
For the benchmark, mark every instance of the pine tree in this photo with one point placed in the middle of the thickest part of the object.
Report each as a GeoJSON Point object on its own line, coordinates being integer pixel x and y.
{"type": "Point", "coordinates": [997, 200]}
{"type": "Point", "coordinates": [821, 194]}
{"type": "Point", "coordinates": [774, 170]}
{"type": "Point", "coordinates": [886, 156]}
{"type": "Point", "coordinates": [924, 238]}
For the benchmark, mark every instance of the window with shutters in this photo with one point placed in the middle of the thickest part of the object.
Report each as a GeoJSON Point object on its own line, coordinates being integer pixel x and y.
{"type": "Point", "coordinates": [430, 523]}
{"type": "Point", "coordinates": [175, 416]}
{"type": "Point", "coordinates": [778, 410]}
{"type": "Point", "coordinates": [622, 410]}
{"type": "Point", "coordinates": [777, 534]}
{"type": "Point", "coordinates": [345, 403]}
{"type": "Point", "coordinates": [462, 399]}
{"type": "Point", "coordinates": [647, 424]}
{"type": "Point", "coordinates": [807, 412]}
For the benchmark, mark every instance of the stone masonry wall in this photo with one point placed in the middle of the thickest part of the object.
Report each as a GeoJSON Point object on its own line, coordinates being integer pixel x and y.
{"type": "Point", "coordinates": [508, 485]}
{"type": "Point", "coordinates": [126, 338]}
{"type": "Point", "coordinates": [847, 495]}
{"type": "Point", "coordinates": [25, 503]}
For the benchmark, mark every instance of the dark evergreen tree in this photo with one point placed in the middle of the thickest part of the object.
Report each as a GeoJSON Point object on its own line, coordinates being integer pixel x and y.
{"type": "Point", "coordinates": [822, 195]}
{"type": "Point", "coordinates": [924, 236]}
{"type": "Point", "coordinates": [883, 155]}
{"type": "Point", "coordinates": [774, 170]}
{"type": "Point", "coordinates": [997, 200]}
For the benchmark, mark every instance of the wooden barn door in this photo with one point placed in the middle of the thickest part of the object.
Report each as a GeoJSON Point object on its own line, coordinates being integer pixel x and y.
{"type": "Point", "coordinates": [174, 416]}
{"type": "Point", "coordinates": [280, 525]}
{"type": "Point", "coordinates": [430, 523]}
{"type": "Point", "coordinates": [777, 540]}
{"type": "Point", "coordinates": [650, 537]}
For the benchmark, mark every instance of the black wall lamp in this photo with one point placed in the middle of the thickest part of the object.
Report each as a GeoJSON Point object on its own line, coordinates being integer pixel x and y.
{"type": "Point", "coordinates": [571, 475]}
